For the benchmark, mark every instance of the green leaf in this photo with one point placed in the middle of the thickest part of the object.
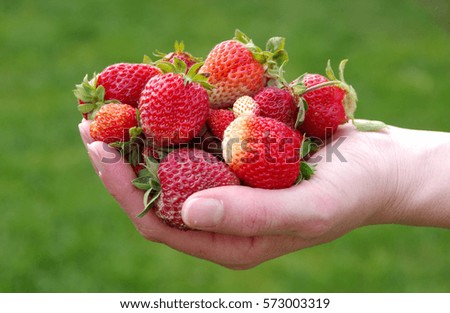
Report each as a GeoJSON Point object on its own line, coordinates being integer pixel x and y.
{"type": "Point", "coordinates": [178, 46]}
{"type": "Point", "coordinates": [166, 67]}
{"type": "Point", "coordinates": [240, 36]}
{"type": "Point", "coordinates": [194, 69]}
{"type": "Point", "coordinates": [134, 132]}
{"type": "Point", "coordinates": [308, 146]}
{"type": "Point", "coordinates": [329, 71]}
{"type": "Point", "coordinates": [152, 166]}
{"type": "Point", "coordinates": [302, 106]}
{"type": "Point", "coordinates": [180, 66]}
{"type": "Point", "coordinates": [147, 60]}
{"type": "Point", "coordinates": [117, 144]}
{"type": "Point", "coordinates": [275, 43]}
{"type": "Point", "coordinates": [341, 70]}
{"type": "Point", "coordinates": [148, 204]}
{"type": "Point", "coordinates": [86, 107]}
{"type": "Point", "coordinates": [280, 57]}
{"type": "Point", "coordinates": [142, 183]}
{"type": "Point", "coordinates": [306, 170]}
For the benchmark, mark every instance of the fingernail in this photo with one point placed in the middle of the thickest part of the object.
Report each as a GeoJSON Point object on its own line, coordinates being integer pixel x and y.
{"type": "Point", "coordinates": [95, 159]}
{"type": "Point", "coordinates": [202, 212]}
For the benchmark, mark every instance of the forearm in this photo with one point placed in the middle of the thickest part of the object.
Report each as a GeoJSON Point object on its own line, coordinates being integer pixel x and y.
{"type": "Point", "coordinates": [421, 189]}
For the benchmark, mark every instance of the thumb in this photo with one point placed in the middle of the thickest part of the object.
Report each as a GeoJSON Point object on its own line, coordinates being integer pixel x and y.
{"type": "Point", "coordinates": [245, 211]}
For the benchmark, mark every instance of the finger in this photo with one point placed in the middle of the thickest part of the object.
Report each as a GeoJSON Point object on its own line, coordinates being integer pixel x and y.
{"type": "Point", "coordinates": [244, 211]}
{"type": "Point", "coordinates": [117, 175]}
{"type": "Point", "coordinates": [83, 127]}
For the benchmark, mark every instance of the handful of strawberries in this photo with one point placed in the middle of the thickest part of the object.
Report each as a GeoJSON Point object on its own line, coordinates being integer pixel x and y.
{"type": "Point", "coordinates": [186, 125]}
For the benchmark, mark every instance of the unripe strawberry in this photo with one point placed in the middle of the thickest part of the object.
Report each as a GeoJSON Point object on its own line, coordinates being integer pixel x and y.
{"type": "Point", "coordinates": [245, 105]}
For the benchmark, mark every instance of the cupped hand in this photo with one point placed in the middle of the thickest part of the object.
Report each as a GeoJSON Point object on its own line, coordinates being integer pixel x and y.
{"type": "Point", "coordinates": [355, 181]}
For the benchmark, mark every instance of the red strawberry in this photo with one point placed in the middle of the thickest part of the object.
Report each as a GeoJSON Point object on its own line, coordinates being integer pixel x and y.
{"type": "Point", "coordinates": [180, 174]}
{"type": "Point", "coordinates": [236, 68]}
{"type": "Point", "coordinates": [124, 81]}
{"type": "Point", "coordinates": [325, 108]}
{"type": "Point", "coordinates": [174, 107]}
{"type": "Point", "coordinates": [330, 102]}
{"type": "Point", "coordinates": [218, 121]}
{"type": "Point", "coordinates": [113, 122]}
{"type": "Point", "coordinates": [278, 104]}
{"type": "Point", "coordinates": [262, 152]}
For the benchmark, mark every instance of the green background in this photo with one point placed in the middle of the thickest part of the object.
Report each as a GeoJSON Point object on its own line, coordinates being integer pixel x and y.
{"type": "Point", "coordinates": [61, 232]}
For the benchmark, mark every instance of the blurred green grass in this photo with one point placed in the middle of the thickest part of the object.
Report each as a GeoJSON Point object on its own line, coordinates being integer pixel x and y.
{"type": "Point", "coordinates": [61, 232]}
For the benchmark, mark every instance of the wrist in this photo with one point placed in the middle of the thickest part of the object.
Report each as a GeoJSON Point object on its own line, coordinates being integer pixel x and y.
{"type": "Point", "coordinates": [418, 193]}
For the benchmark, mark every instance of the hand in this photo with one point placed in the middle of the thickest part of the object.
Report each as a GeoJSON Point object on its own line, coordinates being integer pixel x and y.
{"type": "Point", "coordinates": [361, 179]}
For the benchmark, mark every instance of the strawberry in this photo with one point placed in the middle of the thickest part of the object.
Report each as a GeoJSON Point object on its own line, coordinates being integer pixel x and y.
{"type": "Point", "coordinates": [113, 122]}
{"type": "Point", "coordinates": [238, 68]}
{"type": "Point", "coordinates": [180, 174]}
{"type": "Point", "coordinates": [174, 106]}
{"type": "Point", "coordinates": [245, 105]}
{"type": "Point", "coordinates": [122, 82]}
{"type": "Point", "coordinates": [330, 102]}
{"type": "Point", "coordinates": [218, 120]}
{"type": "Point", "coordinates": [262, 151]}
{"type": "Point", "coordinates": [180, 54]}
{"type": "Point", "coordinates": [278, 104]}
{"type": "Point", "coordinates": [325, 107]}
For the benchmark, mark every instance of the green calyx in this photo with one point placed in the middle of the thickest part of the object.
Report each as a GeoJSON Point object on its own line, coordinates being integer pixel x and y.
{"type": "Point", "coordinates": [306, 170]}
{"type": "Point", "coordinates": [190, 75]}
{"type": "Point", "coordinates": [178, 49]}
{"type": "Point", "coordinates": [273, 58]}
{"type": "Point", "coordinates": [148, 180]}
{"type": "Point", "coordinates": [92, 94]}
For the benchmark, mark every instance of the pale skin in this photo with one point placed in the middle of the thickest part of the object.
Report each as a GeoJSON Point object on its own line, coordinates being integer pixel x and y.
{"type": "Point", "coordinates": [397, 176]}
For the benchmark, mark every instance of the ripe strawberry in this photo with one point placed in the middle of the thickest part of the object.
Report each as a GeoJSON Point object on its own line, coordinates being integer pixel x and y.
{"type": "Point", "coordinates": [122, 82]}
{"type": "Point", "coordinates": [237, 68]}
{"type": "Point", "coordinates": [113, 122]}
{"type": "Point", "coordinates": [278, 104]}
{"type": "Point", "coordinates": [330, 102]}
{"type": "Point", "coordinates": [174, 106]}
{"type": "Point", "coordinates": [245, 105]}
{"type": "Point", "coordinates": [262, 151]}
{"type": "Point", "coordinates": [218, 120]}
{"type": "Point", "coordinates": [180, 174]}
{"type": "Point", "coordinates": [325, 108]}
